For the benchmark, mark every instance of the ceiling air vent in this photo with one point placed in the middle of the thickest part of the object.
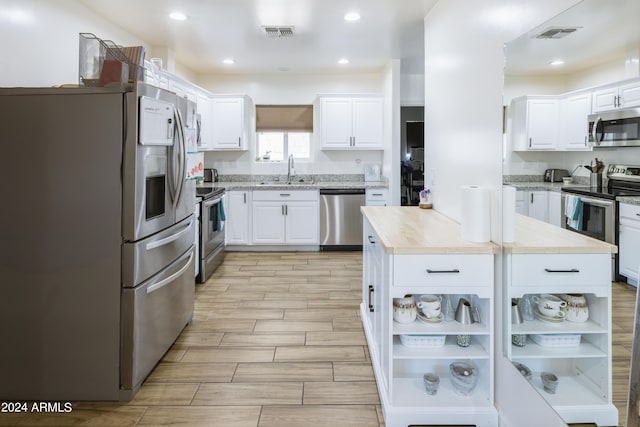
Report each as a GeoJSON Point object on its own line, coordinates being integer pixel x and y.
{"type": "Point", "coordinates": [556, 32]}
{"type": "Point", "coordinates": [275, 32]}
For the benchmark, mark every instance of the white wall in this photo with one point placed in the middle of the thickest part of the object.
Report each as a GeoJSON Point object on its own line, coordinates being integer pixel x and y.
{"type": "Point", "coordinates": [412, 90]}
{"type": "Point", "coordinates": [287, 88]}
{"type": "Point", "coordinates": [40, 40]}
{"type": "Point", "coordinates": [392, 143]}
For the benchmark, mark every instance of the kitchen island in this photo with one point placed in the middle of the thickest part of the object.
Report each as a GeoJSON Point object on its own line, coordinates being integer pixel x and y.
{"type": "Point", "coordinates": [415, 251]}
{"type": "Point", "coordinates": [545, 259]}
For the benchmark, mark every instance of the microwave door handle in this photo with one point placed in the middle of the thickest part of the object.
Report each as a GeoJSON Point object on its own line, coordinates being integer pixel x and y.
{"type": "Point", "coordinates": [594, 131]}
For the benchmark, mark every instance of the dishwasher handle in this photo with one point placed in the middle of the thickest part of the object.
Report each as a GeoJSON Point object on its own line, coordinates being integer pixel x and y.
{"type": "Point", "coordinates": [341, 191]}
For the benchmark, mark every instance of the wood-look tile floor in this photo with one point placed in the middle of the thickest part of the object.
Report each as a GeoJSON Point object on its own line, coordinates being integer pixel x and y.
{"type": "Point", "coordinates": [277, 340]}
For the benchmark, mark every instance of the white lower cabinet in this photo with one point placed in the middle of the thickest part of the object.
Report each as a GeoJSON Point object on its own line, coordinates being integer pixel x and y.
{"type": "Point", "coordinates": [398, 367]}
{"type": "Point", "coordinates": [629, 242]}
{"type": "Point", "coordinates": [285, 217]}
{"type": "Point", "coordinates": [579, 353]}
{"type": "Point", "coordinates": [238, 216]}
{"type": "Point", "coordinates": [376, 196]}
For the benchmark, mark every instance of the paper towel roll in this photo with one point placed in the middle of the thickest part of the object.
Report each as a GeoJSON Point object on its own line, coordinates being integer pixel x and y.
{"type": "Point", "coordinates": [508, 213]}
{"type": "Point", "coordinates": [476, 214]}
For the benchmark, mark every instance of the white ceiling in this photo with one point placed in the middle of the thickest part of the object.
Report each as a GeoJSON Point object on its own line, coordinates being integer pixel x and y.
{"type": "Point", "coordinates": [218, 29]}
{"type": "Point", "coordinates": [608, 29]}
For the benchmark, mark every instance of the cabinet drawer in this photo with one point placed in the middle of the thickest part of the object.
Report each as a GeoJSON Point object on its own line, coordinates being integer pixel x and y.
{"type": "Point", "coordinates": [466, 270]}
{"type": "Point", "coordinates": [629, 212]}
{"type": "Point", "coordinates": [538, 270]}
{"type": "Point", "coordinates": [375, 194]}
{"type": "Point", "coordinates": [285, 195]}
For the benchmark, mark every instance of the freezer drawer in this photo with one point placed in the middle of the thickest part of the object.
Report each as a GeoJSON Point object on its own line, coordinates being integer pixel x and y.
{"type": "Point", "coordinates": [153, 315]}
{"type": "Point", "coordinates": [143, 259]}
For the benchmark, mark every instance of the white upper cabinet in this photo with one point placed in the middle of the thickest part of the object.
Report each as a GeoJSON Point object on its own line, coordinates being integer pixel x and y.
{"type": "Point", "coordinates": [620, 96]}
{"type": "Point", "coordinates": [574, 112]}
{"type": "Point", "coordinates": [351, 123]}
{"type": "Point", "coordinates": [205, 112]}
{"type": "Point", "coordinates": [231, 122]}
{"type": "Point", "coordinates": [534, 123]}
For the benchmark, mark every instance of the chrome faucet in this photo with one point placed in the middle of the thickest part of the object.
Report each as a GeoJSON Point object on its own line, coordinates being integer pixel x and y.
{"type": "Point", "coordinates": [289, 167]}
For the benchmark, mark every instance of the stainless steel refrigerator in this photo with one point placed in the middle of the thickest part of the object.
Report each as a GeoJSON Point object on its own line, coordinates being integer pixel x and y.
{"type": "Point", "coordinates": [96, 240]}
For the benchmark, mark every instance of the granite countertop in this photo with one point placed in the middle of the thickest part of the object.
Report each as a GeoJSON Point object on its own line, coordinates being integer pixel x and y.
{"type": "Point", "coordinates": [255, 185]}
{"type": "Point", "coordinates": [629, 200]}
{"type": "Point", "coordinates": [411, 230]}
{"type": "Point", "coordinates": [537, 237]}
{"type": "Point", "coordinates": [540, 186]}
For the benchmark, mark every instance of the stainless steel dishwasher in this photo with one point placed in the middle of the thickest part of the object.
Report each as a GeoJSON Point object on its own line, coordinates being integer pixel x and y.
{"type": "Point", "coordinates": [340, 219]}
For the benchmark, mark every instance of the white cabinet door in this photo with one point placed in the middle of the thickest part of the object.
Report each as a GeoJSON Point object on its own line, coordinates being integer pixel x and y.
{"type": "Point", "coordinates": [605, 99]}
{"type": "Point", "coordinates": [268, 222]}
{"type": "Point", "coordinates": [629, 95]}
{"type": "Point", "coordinates": [554, 216]}
{"type": "Point", "coordinates": [351, 122]}
{"type": "Point", "coordinates": [367, 122]}
{"type": "Point", "coordinates": [521, 203]}
{"type": "Point", "coordinates": [238, 217]}
{"type": "Point", "coordinates": [542, 124]}
{"type": "Point", "coordinates": [205, 110]}
{"type": "Point", "coordinates": [335, 122]}
{"type": "Point", "coordinates": [302, 226]}
{"type": "Point", "coordinates": [228, 124]}
{"type": "Point", "coordinates": [629, 245]}
{"type": "Point", "coordinates": [538, 205]}
{"type": "Point", "coordinates": [574, 112]}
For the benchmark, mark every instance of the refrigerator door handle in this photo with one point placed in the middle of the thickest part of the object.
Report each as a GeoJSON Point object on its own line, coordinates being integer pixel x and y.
{"type": "Point", "coordinates": [169, 239]}
{"type": "Point", "coordinates": [166, 281]}
{"type": "Point", "coordinates": [182, 157]}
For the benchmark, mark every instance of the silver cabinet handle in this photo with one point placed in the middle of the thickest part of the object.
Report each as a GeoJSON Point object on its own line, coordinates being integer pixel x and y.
{"type": "Point", "coordinates": [585, 140]}
{"type": "Point", "coordinates": [530, 141]}
{"type": "Point", "coordinates": [239, 141]}
{"type": "Point", "coordinates": [286, 210]}
{"type": "Point", "coordinates": [370, 303]}
{"type": "Point", "coordinates": [282, 209]}
{"type": "Point", "coordinates": [245, 198]}
{"type": "Point", "coordinates": [373, 242]}
{"type": "Point", "coordinates": [531, 197]}
{"type": "Point", "coordinates": [285, 194]}
{"type": "Point", "coordinates": [572, 270]}
{"type": "Point", "coordinates": [455, 270]}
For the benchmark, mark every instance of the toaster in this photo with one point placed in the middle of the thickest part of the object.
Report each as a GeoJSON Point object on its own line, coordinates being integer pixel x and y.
{"type": "Point", "coordinates": [555, 175]}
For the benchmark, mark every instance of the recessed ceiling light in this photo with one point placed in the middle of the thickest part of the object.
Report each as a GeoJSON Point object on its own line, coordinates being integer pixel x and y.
{"type": "Point", "coordinates": [343, 61]}
{"type": "Point", "coordinates": [556, 63]}
{"type": "Point", "coordinates": [352, 16]}
{"type": "Point", "coordinates": [178, 16]}
{"type": "Point", "coordinates": [228, 61]}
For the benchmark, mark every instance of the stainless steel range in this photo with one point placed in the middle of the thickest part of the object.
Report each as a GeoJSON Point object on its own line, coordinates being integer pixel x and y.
{"type": "Point", "coordinates": [600, 217]}
{"type": "Point", "coordinates": [212, 230]}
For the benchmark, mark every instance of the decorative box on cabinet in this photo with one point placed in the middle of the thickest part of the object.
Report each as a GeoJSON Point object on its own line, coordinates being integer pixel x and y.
{"type": "Point", "coordinates": [351, 123]}
{"type": "Point", "coordinates": [393, 269]}
{"type": "Point", "coordinates": [563, 263]}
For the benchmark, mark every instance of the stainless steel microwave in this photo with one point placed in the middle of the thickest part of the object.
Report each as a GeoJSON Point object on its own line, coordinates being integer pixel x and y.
{"type": "Point", "coordinates": [620, 128]}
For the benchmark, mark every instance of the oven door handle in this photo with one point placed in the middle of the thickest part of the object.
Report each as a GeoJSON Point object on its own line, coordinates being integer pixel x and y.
{"type": "Point", "coordinates": [171, 278]}
{"type": "Point", "coordinates": [596, 202]}
{"type": "Point", "coordinates": [209, 203]}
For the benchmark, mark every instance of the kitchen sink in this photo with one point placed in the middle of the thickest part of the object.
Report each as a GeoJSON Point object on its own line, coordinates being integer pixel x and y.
{"type": "Point", "coordinates": [294, 182]}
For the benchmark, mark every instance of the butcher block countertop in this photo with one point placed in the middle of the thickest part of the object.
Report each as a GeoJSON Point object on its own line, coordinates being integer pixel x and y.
{"type": "Point", "coordinates": [411, 230]}
{"type": "Point", "coordinates": [537, 237]}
